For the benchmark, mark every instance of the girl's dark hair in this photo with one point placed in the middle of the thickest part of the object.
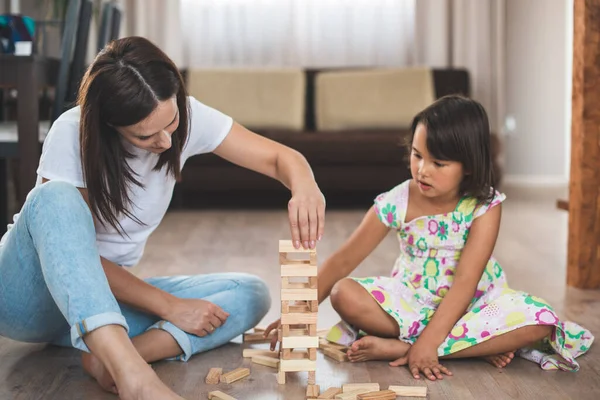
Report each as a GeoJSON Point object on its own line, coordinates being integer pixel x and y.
{"type": "Point", "coordinates": [458, 130]}
{"type": "Point", "coordinates": [123, 85]}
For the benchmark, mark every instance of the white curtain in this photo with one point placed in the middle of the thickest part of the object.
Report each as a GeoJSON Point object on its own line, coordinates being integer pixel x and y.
{"type": "Point", "coordinates": [467, 34]}
{"type": "Point", "coordinates": [298, 33]}
{"type": "Point", "coordinates": [156, 20]}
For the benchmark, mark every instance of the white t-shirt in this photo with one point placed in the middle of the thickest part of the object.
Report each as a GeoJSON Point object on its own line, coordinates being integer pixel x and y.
{"type": "Point", "coordinates": [60, 160]}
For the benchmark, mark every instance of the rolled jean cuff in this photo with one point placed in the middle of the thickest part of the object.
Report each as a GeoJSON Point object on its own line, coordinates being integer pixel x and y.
{"type": "Point", "coordinates": [180, 337]}
{"type": "Point", "coordinates": [82, 328]}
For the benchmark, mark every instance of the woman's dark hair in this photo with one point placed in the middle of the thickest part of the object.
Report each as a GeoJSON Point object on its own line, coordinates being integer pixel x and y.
{"type": "Point", "coordinates": [458, 130]}
{"type": "Point", "coordinates": [123, 85]}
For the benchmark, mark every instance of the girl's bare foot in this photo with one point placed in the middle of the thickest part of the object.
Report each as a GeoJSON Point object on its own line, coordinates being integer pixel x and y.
{"type": "Point", "coordinates": [500, 360]}
{"type": "Point", "coordinates": [96, 369]}
{"type": "Point", "coordinates": [375, 348]}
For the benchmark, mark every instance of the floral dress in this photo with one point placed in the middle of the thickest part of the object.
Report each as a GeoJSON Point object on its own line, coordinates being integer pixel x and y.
{"type": "Point", "coordinates": [430, 248]}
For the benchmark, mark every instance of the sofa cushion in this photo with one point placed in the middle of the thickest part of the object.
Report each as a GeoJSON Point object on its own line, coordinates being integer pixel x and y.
{"type": "Point", "coordinates": [265, 98]}
{"type": "Point", "coordinates": [378, 98]}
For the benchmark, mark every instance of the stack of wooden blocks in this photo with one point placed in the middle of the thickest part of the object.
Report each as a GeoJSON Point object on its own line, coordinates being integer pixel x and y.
{"type": "Point", "coordinates": [298, 339]}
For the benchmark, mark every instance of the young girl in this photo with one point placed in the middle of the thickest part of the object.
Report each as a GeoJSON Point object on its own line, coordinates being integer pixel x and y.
{"type": "Point", "coordinates": [105, 181]}
{"type": "Point", "coordinates": [447, 297]}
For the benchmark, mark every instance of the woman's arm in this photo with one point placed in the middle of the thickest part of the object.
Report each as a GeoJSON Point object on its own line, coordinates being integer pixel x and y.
{"type": "Point", "coordinates": [265, 156]}
{"type": "Point", "coordinates": [473, 260]}
{"type": "Point", "coordinates": [363, 241]}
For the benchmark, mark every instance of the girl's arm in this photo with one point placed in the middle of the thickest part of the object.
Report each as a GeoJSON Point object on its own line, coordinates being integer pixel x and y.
{"type": "Point", "coordinates": [359, 245]}
{"type": "Point", "coordinates": [265, 156]}
{"type": "Point", "coordinates": [473, 260]}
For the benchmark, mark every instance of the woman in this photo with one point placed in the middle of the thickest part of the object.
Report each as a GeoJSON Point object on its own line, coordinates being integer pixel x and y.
{"type": "Point", "coordinates": [105, 180]}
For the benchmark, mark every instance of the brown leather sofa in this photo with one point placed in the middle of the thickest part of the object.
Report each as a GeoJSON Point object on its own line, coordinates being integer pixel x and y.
{"type": "Point", "coordinates": [351, 166]}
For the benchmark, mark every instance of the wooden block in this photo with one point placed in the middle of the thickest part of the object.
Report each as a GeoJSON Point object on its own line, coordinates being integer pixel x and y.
{"type": "Point", "coordinates": [298, 332]}
{"type": "Point", "coordinates": [337, 355]}
{"type": "Point", "coordinates": [286, 329]}
{"type": "Point", "coordinates": [324, 343]}
{"type": "Point", "coordinates": [312, 391]}
{"type": "Point", "coordinates": [296, 285]}
{"type": "Point", "coordinates": [314, 306]}
{"type": "Point", "coordinates": [214, 376]}
{"type": "Point", "coordinates": [323, 333]}
{"type": "Point", "coordinates": [218, 395]}
{"type": "Point", "coordinates": [286, 246]}
{"type": "Point", "coordinates": [312, 282]}
{"type": "Point", "coordinates": [294, 342]}
{"type": "Point", "coordinates": [258, 337]}
{"type": "Point", "coordinates": [266, 361]}
{"type": "Point", "coordinates": [298, 270]}
{"type": "Point", "coordinates": [303, 308]}
{"type": "Point", "coordinates": [286, 354]}
{"type": "Point", "coordinates": [381, 395]}
{"type": "Point", "coordinates": [312, 354]}
{"type": "Point", "coordinates": [297, 365]}
{"type": "Point", "coordinates": [312, 329]}
{"type": "Point", "coordinates": [298, 318]}
{"type": "Point", "coordinates": [313, 258]}
{"type": "Point", "coordinates": [410, 391]}
{"type": "Point", "coordinates": [298, 355]}
{"type": "Point", "coordinates": [371, 387]}
{"type": "Point", "coordinates": [281, 377]}
{"type": "Point", "coordinates": [312, 377]}
{"type": "Point", "coordinates": [235, 375]}
{"type": "Point", "coordinates": [249, 353]}
{"type": "Point", "coordinates": [299, 294]}
{"type": "Point", "coordinates": [330, 393]}
{"type": "Point", "coordinates": [285, 307]}
{"type": "Point", "coordinates": [350, 395]}
{"type": "Point", "coordinates": [258, 329]}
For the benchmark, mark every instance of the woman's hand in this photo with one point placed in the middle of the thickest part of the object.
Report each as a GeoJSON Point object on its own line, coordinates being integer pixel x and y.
{"type": "Point", "coordinates": [422, 358]}
{"type": "Point", "coordinates": [198, 317]}
{"type": "Point", "coordinates": [273, 326]}
{"type": "Point", "coordinates": [307, 214]}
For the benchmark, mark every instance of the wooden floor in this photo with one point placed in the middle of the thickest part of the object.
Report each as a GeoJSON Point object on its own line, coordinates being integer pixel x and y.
{"type": "Point", "coordinates": [531, 248]}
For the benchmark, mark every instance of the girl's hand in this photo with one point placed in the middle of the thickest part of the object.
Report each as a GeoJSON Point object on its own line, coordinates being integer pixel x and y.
{"type": "Point", "coordinates": [422, 358]}
{"type": "Point", "coordinates": [274, 325]}
{"type": "Point", "coordinates": [198, 317]}
{"type": "Point", "coordinates": [307, 214]}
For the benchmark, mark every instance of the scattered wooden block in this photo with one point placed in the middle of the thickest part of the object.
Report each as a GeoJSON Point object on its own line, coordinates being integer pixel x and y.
{"type": "Point", "coordinates": [330, 393]}
{"type": "Point", "coordinates": [371, 387]}
{"type": "Point", "coordinates": [217, 394]}
{"type": "Point", "coordinates": [235, 375]}
{"type": "Point", "coordinates": [249, 353]}
{"type": "Point", "coordinates": [381, 395]}
{"type": "Point", "coordinates": [312, 377]}
{"type": "Point", "coordinates": [258, 337]}
{"type": "Point", "coordinates": [266, 361]}
{"type": "Point", "coordinates": [337, 355]}
{"type": "Point", "coordinates": [312, 391]}
{"type": "Point", "coordinates": [351, 395]}
{"type": "Point", "coordinates": [325, 343]}
{"type": "Point", "coordinates": [214, 376]}
{"type": "Point", "coordinates": [410, 391]}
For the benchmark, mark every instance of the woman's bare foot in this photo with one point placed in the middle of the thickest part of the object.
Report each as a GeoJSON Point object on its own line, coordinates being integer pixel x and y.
{"type": "Point", "coordinates": [375, 348]}
{"type": "Point", "coordinates": [500, 360]}
{"type": "Point", "coordinates": [96, 369]}
{"type": "Point", "coordinates": [145, 386]}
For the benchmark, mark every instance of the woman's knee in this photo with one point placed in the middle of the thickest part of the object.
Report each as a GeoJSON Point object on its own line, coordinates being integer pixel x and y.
{"type": "Point", "coordinates": [254, 292]}
{"type": "Point", "coordinates": [58, 196]}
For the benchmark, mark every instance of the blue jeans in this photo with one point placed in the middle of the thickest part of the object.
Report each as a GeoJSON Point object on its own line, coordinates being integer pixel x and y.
{"type": "Point", "coordinates": [53, 288]}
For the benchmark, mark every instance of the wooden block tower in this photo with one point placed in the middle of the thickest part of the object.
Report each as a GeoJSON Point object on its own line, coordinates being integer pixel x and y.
{"type": "Point", "coordinates": [299, 311]}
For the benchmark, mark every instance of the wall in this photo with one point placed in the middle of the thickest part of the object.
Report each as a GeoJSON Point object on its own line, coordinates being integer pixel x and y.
{"type": "Point", "coordinates": [538, 90]}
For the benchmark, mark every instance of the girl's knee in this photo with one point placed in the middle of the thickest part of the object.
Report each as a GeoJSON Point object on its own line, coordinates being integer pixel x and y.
{"type": "Point", "coordinates": [535, 333]}
{"type": "Point", "coordinates": [255, 292]}
{"type": "Point", "coordinates": [57, 194]}
{"type": "Point", "coordinates": [344, 295]}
